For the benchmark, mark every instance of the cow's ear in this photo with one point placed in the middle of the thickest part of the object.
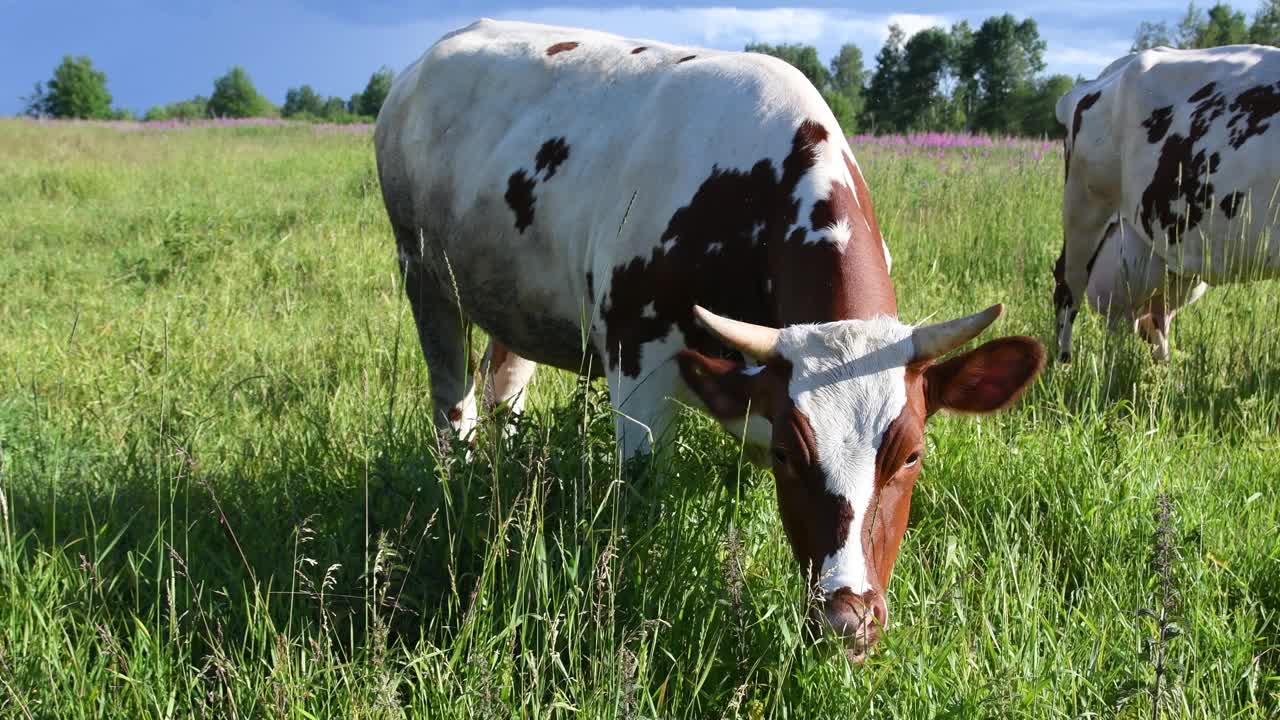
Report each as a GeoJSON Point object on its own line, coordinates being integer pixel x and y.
{"type": "Point", "coordinates": [986, 379]}
{"type": "Point", "coordinates": [728, 389]}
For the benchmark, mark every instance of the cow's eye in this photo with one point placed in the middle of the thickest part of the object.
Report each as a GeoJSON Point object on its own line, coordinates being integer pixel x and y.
{"type": "Point", "coordinates": [779, 456]}
{"type": "Point", "coordinates": [912, 459]}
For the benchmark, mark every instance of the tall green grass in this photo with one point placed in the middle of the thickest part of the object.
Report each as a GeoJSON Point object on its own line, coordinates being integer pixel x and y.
{"type": "Point", "coordinates": [221, 496]}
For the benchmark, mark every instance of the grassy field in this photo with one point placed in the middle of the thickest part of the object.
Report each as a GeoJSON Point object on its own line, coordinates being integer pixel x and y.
{"type": "Point", "coordinates": [219, 497]}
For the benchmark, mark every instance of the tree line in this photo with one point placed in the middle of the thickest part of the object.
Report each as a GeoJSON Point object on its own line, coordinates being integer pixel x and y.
{"type": "Point", "coordinates": [1220, 25]}
{"type": "Point", "coordinates": [953, 79]}
{"type": "Point", "coordinates": [79, 90]}
{"type": "Point", "coordinates": [989, 80]}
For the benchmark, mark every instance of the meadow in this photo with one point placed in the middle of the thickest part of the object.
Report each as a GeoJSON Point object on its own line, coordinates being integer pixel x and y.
{"type": "Point", "coordinates": [220, 495]}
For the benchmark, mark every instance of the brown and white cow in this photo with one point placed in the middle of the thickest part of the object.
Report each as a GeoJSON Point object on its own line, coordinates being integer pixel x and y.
{"type": "Point", "coordinates": [1172, 170]}
{"type": "Point", "coordinates": [583, 197]}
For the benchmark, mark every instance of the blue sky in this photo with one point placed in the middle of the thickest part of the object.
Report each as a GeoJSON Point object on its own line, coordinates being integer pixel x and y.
{"type": "Point", "coordinates": [157, 51]}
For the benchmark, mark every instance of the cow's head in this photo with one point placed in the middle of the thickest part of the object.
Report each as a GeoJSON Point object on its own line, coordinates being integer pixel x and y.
{"type": "Point", "coordinates": [842, 406]}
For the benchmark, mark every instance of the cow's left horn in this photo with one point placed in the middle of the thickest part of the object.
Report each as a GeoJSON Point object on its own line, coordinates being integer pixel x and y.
{"type": "Point", "coordinates": [934, 341]}
{"type": "Point", "coordinates": [757, 341]}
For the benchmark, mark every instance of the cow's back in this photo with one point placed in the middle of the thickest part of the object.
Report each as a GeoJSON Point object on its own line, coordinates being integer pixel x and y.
{"type": "Point", "coordinates": [537, 164]}
{"type": "Point", "coordinates": [1180, 141]}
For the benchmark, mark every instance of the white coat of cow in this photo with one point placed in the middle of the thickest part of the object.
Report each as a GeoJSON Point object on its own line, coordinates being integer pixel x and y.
{"type": "Point", "coordinates": [1172, 172]}
{"type": "Point", "coordinates": [583, 197]}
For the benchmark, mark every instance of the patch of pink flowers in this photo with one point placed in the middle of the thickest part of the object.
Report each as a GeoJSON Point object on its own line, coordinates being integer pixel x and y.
{"type": "Point", "coordinates": [943, 141]}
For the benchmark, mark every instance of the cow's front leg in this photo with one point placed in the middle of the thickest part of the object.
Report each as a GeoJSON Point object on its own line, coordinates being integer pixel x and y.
{"type": "Point", "coordinates": [444, 335]}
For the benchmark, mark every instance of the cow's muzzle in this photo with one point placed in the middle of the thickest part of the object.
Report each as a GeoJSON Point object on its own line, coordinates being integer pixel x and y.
{"type": "Point", "coordinates": [857, 619]}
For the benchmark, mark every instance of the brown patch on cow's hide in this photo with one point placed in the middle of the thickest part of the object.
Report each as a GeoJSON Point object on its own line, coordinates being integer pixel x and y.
{"type": "Point", "coordinates": [455, 414]}
{"type": "Point", "coordinates": [1202, 93]}
{"type": "Point", "coordinates": [561, 47]}
{"type": "Point", "coordinates": [747, 214]}
{"type": "Point", "coordinates": [550, 155]}
{"type": "Point", "coordinates": [1182, 173]}
{"type": "Point", "coordinates": [1093, 259]}
{"type": "Point", "coordinates": [640, 49]}
{"type": "Point", "coordinates": [863, 195]}
{"type": "Point", "coordinates": [519, 197]}
{"type": "Point", "coordinates": [1077, 118]}
{"type": "Point", "coordinates": [520, 185]}
{"type": "Point", "coordinates": [808, 137]}
{"type": "Point", "coordinates": [1085, 103]}
{"type": "Point", "coordinates": [1158, 124]}
{"type": "Point", "coordinates": [839, 203]}
{"type": "Point", "coordinates": [1254, 106]}
{"type": "Point", "coordinates": [1232, 204]}
{"type": "Point", "coordinates": [686, 58]}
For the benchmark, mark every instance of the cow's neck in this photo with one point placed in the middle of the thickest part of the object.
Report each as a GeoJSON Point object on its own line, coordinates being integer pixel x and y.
{"type": "Point", "coordinates": [819, 283]}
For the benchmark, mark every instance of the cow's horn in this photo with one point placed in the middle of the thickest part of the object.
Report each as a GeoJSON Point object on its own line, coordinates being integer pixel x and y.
{"type": "Point", "coordinates": [934, 341]}
{"type": "Point", "coordinates": [757, 341]}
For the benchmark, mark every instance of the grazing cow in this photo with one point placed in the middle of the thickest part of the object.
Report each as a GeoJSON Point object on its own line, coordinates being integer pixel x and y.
{"type": "Point", "coordinates": [1171, 174]}
{"type": "Point", "coordinates": [607, 206]}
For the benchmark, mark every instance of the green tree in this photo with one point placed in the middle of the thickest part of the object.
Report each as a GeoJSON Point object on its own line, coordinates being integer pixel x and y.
{"type": "Point", "coordinates": [1151, 35]}
{"type": "Point", "coordinates": [922, 102]}
{"type": "Point", "coordinates": [1191, 27]}
{"type": "Point", "coordinates": [1265, 29]}
{"type": "Point", "coordinates": [882, 90]}
{"type": "Point", "coordinates": [842, 107]}
{"type": "Point", "coordinates": [802, 57]}
{"type": "Point", "coordinates": [1224, 27]}
{"type": "Point", "coordinates": [848, 77]}
{"type": "Point", "coordinates": [1006, 57]}
{"type": "Point", "coordinates": [964, 74]}
{"type": "Point", "coordinates": [375, 92]}
{"type": "Point", "coordinates": [1041, 118]}
{"type": "Point", "coordinates": [76, 90]}
{"type": "Point", "coordinates": [302, 101]}
{"type": "Point", "coordinates": [335, 108]}
{"type": "Point", "coordinates": [234, 96]}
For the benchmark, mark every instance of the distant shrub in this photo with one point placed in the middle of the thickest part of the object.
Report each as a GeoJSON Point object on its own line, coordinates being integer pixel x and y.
{"type": "Point", "coordinates": [302, 101]}
{"type": "Point", "coordinates": [375, 93]}
{"type": "Point", "coordinates": [77, 90]}
{"type": "Point", "coordinates": [193, 109]}
{"type": "Point", "coordinates": [235, 96]}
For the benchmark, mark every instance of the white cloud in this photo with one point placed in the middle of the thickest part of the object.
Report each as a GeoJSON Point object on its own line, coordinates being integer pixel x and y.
{"type": "Point", "coordinates": [732, 27]}
{"type": "Point", "coordinates": [1082, 57]}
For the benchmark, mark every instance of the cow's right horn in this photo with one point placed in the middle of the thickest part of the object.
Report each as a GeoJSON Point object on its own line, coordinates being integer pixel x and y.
{"type": "Point", "coordinates": [757, 341]}
{"type": "Point", "coordinates": [934, 341]}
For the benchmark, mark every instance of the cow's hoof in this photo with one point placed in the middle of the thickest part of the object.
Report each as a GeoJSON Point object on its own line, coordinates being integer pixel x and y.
{"type": "Point", "coordinates": [1064, 358]}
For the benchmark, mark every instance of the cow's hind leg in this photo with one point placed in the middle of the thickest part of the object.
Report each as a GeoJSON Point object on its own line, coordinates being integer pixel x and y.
{"type": "Point", "coordinates": [508, 377]}
{"type": "Point", "coordinates": [1085, 221]}
{"type": "Point", "coordinates": [444, 334]}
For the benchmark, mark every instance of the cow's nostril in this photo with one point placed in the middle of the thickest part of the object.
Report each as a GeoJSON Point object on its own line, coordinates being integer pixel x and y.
{"type": "Point", "coordinates": [879, 611]}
